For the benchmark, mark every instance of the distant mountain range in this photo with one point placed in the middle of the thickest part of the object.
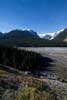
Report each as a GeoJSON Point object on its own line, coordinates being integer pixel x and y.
{"type": "Point", "coordinates": [51, 36]}
{"type": "Point", "coordinates": [31, 38]}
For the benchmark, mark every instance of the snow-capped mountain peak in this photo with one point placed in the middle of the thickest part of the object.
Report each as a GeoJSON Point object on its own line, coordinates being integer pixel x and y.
{"type": "Point", "coordinates": [60, 31]}
{"type": "Point", "coordinates": [50, 36]}
{"type": "Point", "coordinates": [44, 34]}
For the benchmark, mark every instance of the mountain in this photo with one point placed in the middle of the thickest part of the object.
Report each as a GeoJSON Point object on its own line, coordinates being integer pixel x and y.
{"type": "Point", "coordinates": [19, 37]}
{"type": "Point", "coordinates": [56, 39]}
{"type": "Point", "coordinates": [1, 34]}
{"type": "Point", "coordinates": [48, 37]}
{"type": "Point", "coordinates": [19, 34]}
{"type": "Point", "coordinates": [61, 36]}
{"type": "Point", "coordinates": [30, 38]}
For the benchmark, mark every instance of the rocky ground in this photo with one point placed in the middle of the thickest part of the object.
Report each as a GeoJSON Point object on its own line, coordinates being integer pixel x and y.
{"type": "Point", "coordinates": [12, 83]}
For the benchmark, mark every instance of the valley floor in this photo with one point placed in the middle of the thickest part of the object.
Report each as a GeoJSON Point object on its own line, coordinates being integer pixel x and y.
{"type": "Point", "coordinates": [58, 54]}
{"type": "Point", "coordinates": [51, 85]}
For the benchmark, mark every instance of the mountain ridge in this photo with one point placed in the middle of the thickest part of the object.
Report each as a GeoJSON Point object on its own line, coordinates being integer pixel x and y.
{"type": "Point", "coordinates": [52, 35]}
{"type": "Point", "coordinates": [30, 38]}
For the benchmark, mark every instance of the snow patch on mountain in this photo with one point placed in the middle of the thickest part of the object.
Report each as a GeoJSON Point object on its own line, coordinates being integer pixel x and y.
{"type": "Point", "coordinates": [53, 34]}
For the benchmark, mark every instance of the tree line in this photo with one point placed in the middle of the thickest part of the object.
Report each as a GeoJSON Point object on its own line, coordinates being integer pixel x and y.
{"type": "Point", "coordinates": [19, 59]}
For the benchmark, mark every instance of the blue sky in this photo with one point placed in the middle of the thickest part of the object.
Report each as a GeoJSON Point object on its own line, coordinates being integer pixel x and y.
{"type": "Point", "coordinates": [40, 15]}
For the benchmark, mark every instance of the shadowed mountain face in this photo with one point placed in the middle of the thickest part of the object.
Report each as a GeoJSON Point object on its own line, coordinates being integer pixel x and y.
{"type": "Point", "coordinates": [48, 37]}
{"type": "Point", "coordinates": [18, 37]}
{"type": "Point", "coordinates": [18, 34]}
{"type": "Point", "coordinates": [0, 34]}
{"type": "Point", "coordinates": [61, 36]}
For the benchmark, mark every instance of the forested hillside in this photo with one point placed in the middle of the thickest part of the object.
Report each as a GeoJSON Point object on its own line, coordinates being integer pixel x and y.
{"type": "Point", "coordinates": [19, 59]}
